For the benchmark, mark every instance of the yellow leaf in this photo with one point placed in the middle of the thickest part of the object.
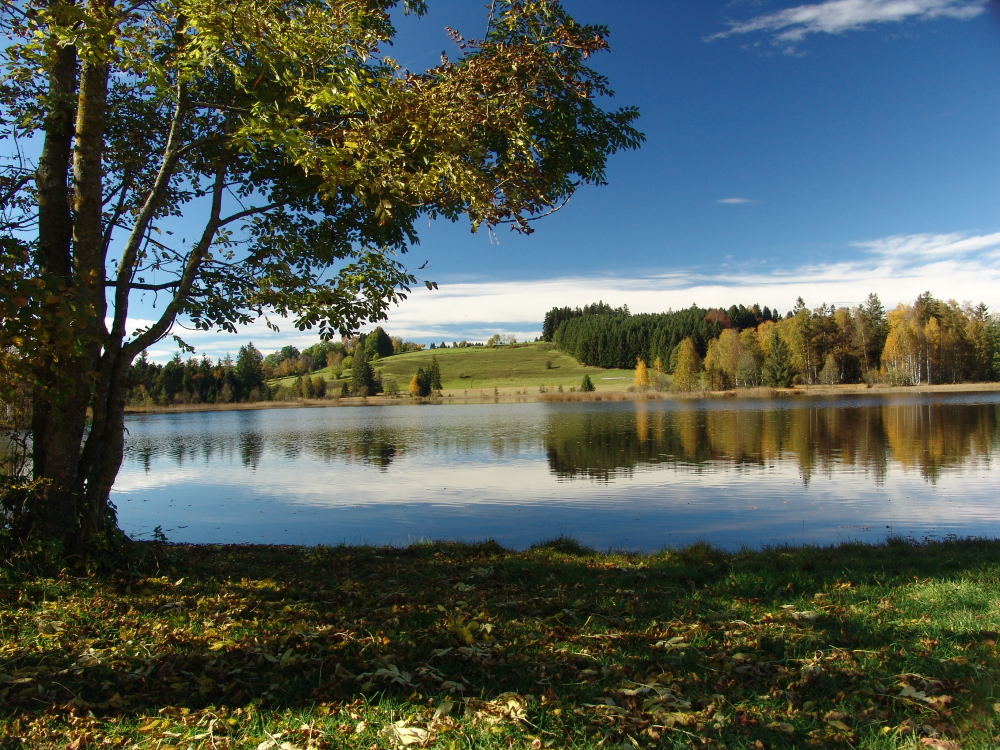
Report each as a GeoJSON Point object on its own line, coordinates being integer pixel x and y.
{"type": "Point", "coordinates": [402, 735]}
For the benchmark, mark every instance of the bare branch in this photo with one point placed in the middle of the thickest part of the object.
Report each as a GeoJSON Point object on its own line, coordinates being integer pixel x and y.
{"type": "Point", "coordinates": [250, 212]}
{"type": "Point", "coordinates": [118, 212]}
{"type": "Point", "coordinates": [145, 287]}
{"type": "Point", "coordinates": [126, 267]}
{"type": "Point", "coordinates": [194, 263]}
{"type": "Point", "coordinates": [220, 107]}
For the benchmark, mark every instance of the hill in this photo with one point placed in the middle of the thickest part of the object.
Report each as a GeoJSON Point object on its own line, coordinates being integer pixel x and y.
{"type": "Point", "coordinates": [519, 367]}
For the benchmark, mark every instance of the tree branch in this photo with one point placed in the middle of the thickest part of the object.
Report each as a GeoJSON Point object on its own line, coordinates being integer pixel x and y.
{"type": "Point", "coordinates": [135, 285]}
{"type": "Point", "coordinates": [160, 328]}
{"type": "Point", "coordinates": [15, 188]}
{"type": "Point", "coordinates": [126, 267]}
{"type": "Point", "coordinates": [250, 212]}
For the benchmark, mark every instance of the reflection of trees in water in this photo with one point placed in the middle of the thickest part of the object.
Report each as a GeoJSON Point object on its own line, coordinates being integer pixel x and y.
{"type": "Point", "coordinates": [378, 447]}
{"type": "Point", "coordinates": [374, 444]}
{"type": "Point", "coordinates": [251, 448]}
{"type": "Point", "coordinates": [926, 436]}
{"type": "Point", "coordinates": [931, 437]}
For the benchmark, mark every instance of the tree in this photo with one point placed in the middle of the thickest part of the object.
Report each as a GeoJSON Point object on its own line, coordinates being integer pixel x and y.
{"type": "Point", "coordinates": [250, 371]}
{"type": "Point", "coordinates": [378, 344]}
{"type": "Point", "coordinates": [778, 371]}
{"type": "Point", "coordinates": [586, 385]}
{"type": "Point", "coordinates": [641, 375]}
{"type": "Point", "coordinates": [421, 383]}
{"type": "Point", "coordinates": [310, 153]}
{"type": "Point", "coordinates": [363, 381]}
{"type": "Point", "coordinates": [435, 374]}
{"type": "Point", "coordinates": [414, 387]}
{"type": "Point", "coordinates": [830, 373]}
{"type": "Point", "coordinates": [319, 386]}
{"type": "Point", "coordinates": [688, 368]}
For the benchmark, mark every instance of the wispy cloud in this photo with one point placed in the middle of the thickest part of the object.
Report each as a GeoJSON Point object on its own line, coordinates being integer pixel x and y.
{"type": "Point", "coordinates": [926, 246]}
{"type": "Point", "coordinates": [792, 25]}
{"type": "Point", "coordinates": [962, 265]}
{"type": "Point", "coordinates": [735, 201]}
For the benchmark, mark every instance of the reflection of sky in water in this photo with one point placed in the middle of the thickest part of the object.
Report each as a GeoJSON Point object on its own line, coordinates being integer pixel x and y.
{"type": "Point", "coordinates": [400, 474]}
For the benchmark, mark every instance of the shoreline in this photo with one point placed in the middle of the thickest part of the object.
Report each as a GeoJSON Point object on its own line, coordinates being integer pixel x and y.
{"type": "Point", "coordinates": [521, 394]}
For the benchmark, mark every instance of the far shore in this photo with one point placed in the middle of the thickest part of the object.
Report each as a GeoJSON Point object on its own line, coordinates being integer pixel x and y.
{"type": "Point", "coordinates": [524, 394]}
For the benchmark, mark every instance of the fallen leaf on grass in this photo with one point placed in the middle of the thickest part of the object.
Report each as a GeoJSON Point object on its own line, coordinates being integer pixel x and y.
{"type": "Point", "coordinates": [678, 641]}
{"type": "Point", "coordinates": [782, 726]}
{"type": "Point", "coordinates": [505, 707]}
{"type": "Point", "coordinates": [271, 745]}
{"type": "Point", "coordinates": [444, 709]}
{"type": "Point", "coordinates": [402, 735]}
{"type": "Point", "coordinates": [939, 744]}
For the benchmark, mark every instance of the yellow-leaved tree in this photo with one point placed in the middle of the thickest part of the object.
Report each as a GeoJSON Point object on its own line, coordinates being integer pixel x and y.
{"type": "Point", "coordinates": [641, 374]}
{"type": "Point", "coordinates": [687, 372]}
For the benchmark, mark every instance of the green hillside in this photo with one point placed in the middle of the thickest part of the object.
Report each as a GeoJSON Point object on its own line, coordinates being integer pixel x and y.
{"type": "Point", "coordinates": [507, 368]}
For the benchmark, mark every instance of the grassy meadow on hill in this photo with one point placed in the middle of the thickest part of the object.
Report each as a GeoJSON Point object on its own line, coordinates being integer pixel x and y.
{"type": "Point", "coordinates": [526, 367]}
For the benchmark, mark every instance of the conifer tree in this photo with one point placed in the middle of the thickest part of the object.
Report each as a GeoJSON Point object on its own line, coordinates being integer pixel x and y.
{"type": "Point", "coordinates": [435, 374]}
{"type": "Point", "coordinates": [363, 382]}
{"type": "Point", "coordinates": [778, 372]}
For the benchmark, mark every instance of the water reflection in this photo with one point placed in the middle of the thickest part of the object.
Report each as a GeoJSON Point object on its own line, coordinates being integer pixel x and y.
{"type": "Point", "coordinates": [929, 437]}
{"type": "Point", "coordinates": [622, 474]}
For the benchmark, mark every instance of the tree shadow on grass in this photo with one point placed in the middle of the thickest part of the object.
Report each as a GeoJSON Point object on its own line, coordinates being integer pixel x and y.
{"type": "Point", "coordinates": [736, 641]}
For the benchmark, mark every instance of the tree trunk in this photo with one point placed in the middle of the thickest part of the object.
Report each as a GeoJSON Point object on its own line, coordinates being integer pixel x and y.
{"type": "Point", "coordinates": [72, 266]}
{"type": "Point", "coordinates": [59, 397]}
{"type": "Point", "coordinates": [104, 450]}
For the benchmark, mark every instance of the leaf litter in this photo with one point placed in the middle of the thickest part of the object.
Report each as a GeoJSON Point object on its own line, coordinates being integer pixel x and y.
{"type": "Point", "coordinates": [281, 648]}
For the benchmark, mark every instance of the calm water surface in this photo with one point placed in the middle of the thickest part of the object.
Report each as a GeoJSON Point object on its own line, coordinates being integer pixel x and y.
{"type": "Point", "coordinates": [638, 476]}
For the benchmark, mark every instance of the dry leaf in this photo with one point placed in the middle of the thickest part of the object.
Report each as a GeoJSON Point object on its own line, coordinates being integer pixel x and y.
{"type": "Point", "coordinates": [936, 744]}
{"type": "Point", "coordinates": [402, 735]}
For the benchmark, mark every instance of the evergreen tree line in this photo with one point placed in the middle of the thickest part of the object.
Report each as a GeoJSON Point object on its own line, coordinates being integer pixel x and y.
{"type": "Point", "coordinates": [558, 315]}
{"type": "Point", "coordinates": [199, 381]}
{"type": "Point", "coordinates": [619, 339]}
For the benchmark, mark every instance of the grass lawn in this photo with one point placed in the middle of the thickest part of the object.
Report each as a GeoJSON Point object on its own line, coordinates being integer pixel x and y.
{"type": "Point", "coordinates": [459, 646]}
{"type": "Point", "coordinates": [524, 367]}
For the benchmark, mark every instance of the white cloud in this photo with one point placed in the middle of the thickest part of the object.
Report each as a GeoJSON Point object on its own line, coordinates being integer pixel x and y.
{"type": "Point", "coordinates": [786, 27]}
{"type": "Point", "coordinates": [735, 201]}
{"type": "Point", "coordinates": [932, 245]}
{"type": "Point", "coordinates": [965, 266]}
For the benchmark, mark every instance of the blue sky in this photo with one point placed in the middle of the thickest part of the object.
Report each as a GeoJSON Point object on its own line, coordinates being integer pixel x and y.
{"type": "Point", "coordinates": [823, 150]}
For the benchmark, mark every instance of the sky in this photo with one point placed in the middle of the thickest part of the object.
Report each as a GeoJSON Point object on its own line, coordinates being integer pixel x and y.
{"type": "Point", "coordinates": [819, 150]}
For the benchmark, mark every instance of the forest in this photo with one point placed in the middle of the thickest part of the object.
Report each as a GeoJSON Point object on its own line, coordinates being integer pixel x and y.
{"type": "Point", "coordinates": [929, 341]}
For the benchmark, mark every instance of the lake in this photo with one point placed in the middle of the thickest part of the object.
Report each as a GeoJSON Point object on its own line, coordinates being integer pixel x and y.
{"type": "Point", "coordinates": [625, 475]}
